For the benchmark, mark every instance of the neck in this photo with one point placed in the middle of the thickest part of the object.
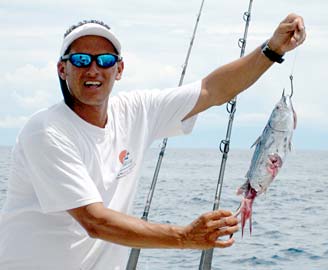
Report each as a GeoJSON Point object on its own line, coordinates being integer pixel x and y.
{"type": "Point", "coordinates": [95, 115]}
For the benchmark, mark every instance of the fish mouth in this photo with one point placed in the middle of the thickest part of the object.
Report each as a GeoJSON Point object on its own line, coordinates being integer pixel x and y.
{"type": "Point", "coordinates": [287, 100]}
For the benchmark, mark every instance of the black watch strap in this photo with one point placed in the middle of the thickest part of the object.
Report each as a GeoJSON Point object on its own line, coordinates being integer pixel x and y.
{"type": "Point", "coordinates": [272, 55]}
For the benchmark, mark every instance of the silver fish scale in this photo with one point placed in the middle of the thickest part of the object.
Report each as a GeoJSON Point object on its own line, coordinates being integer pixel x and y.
{"type": "Point", "coordinates": [274, 144]}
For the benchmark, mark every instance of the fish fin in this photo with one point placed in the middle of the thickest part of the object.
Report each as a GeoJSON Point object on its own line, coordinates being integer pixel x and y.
{"type": "Point", "coordinates": [256, 142]}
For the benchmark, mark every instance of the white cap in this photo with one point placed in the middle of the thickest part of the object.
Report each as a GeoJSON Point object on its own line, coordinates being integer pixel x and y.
{"type": "Point", "coordinates": [90, 29]}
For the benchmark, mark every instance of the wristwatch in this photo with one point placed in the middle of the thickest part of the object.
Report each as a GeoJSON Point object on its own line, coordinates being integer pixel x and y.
{"type": "Point", "coordinates": [272, 55]}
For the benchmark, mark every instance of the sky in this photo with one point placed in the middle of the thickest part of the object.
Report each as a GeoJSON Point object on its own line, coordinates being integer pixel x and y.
{"type": "Point", "coordinates": [155, 36]}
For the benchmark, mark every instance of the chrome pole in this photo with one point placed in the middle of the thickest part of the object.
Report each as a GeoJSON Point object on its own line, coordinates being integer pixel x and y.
{"type": "Point", "coordinates": [207, 255]}
{"type": "Point", "coordinates": [135, 252]}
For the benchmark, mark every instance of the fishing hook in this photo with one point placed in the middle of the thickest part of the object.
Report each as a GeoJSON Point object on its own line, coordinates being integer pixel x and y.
{"type": "Point", "coordinates": [291, 87]}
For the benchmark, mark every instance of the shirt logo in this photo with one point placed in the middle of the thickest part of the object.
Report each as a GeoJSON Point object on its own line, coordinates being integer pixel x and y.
{"type": "Point", "coordinates": [127, 162]}
{"type": "Point", "coordinates": [123, 155]}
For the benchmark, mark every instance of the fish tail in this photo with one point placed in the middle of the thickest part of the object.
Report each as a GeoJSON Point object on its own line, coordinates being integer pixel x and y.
{"type": "Point", "coordinates": [246, 205]}
{"type": "Point", "coordinates": [246, 214]}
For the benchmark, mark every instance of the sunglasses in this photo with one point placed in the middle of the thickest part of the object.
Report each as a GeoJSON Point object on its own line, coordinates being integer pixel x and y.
{"type": "Point", "coordinates": [82, 60]}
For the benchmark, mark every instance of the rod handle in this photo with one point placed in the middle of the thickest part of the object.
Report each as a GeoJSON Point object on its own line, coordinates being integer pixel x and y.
{"type": "Point", "coordinates": [133, 259]}
{"type": "Point", "coordinates": [206, 259]}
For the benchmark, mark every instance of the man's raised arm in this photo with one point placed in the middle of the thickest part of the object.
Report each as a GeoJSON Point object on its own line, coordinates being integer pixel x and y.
{"type": "Point", "coordinates": [226, 82]}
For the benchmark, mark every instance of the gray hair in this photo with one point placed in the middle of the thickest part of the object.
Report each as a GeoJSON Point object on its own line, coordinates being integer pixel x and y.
{"type": "Point", "coordinates": [74, 26]}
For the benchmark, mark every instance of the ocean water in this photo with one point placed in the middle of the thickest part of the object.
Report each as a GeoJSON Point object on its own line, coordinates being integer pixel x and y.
{"type": "Point", "coordinates": [290, 222]}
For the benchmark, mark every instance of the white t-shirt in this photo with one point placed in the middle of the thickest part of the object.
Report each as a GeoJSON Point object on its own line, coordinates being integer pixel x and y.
{"type": "Point", "coordinates": [61, 162]}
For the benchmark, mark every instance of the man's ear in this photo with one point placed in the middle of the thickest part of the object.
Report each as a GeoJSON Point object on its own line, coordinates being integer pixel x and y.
{"type": "Point", "coordinates": [61, 69]}
{"type": "Point", "coordinates": [120, 68]}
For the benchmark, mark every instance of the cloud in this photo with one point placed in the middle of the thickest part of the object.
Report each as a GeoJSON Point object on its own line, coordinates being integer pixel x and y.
{"type": "Point", "coordinates": [155, 40]}
{"type": "Point", "coordinates": [313, 115]}
{"type": "Point", "coordinates": [145, 72]}
{"type": "Point", "coordinates": [252, 119]}
{"type": "Point", "coordinates": [12, 122]}
{"type": "Point", "coordinates": [30, 87]}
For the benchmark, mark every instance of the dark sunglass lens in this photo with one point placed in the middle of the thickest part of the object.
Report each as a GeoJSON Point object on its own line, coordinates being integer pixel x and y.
{"type": "Point", "coordinates": [106, 60]}
{"type": "Point", "coordinates": [80, 59]}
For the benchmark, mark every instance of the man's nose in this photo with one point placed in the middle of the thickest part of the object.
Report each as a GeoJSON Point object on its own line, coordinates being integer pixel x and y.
{"type": "Point", "coordinates": [93, 69]}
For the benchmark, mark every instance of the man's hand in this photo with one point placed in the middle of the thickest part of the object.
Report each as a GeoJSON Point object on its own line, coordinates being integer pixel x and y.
{"type": "Point", "coordinates": [289, 34]}
{"type": "Point", "coordinates": [204, 232]}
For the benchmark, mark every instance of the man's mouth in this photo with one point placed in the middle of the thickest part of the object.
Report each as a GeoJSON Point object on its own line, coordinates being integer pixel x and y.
{"type": "Point", "coordinates": [93, 84]}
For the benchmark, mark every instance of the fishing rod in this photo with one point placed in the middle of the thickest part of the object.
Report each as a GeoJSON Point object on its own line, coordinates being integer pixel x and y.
{"type": "Point", "coordinates": [207, 255]}
{"type": "Point", "coordinates": [135, 252]}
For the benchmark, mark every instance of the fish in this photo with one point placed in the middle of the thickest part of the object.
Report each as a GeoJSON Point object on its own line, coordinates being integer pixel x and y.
{"type": "Point", "coordinates": [271, 149]}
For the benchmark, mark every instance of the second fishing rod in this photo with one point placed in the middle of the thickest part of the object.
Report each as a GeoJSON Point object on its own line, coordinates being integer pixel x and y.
{"type": "Point", "coordinates": [135, 252]}
{"type": "Point", "coordinates": [207, 255]}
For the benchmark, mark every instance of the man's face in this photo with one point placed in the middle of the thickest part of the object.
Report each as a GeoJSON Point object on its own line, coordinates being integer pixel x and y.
{"type": "Point", "coordinates": [90, 85]}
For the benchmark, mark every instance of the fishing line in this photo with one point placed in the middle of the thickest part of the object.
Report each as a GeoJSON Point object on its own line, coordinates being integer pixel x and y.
{"type": "Point", "coordinates": [291, 76]}
{"type": "Point", "coordinates": [135, 252]}
{"type": "Point", "coordinates": [207, 255]}
{"type": "Point", "coordinates": [293, 63]}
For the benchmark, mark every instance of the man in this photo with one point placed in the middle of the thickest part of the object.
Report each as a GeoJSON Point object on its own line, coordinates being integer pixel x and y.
{"type": "Point", "coordinates": [75, 165]}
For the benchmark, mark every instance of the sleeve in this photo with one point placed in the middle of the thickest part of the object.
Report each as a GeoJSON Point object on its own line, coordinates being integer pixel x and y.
{"type": "Point", "coordinates": [58, 175]}
{"type": "Point", "coordinates": [167, 108]}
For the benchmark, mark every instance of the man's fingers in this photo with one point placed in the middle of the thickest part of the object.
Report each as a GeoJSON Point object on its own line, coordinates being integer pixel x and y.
{"type": "Point", "coordinates": [292, 32]}
{"type": "Point", "coordinates": [300, 24]}
{"type": "Point", "coordinates": [227, 230]}
{"type": "Point", "coordinates": [300, 35]}
{"type": "Point", "coordinates": [223, 222]}
{"type": "Point", "coordinates": [223, 232]}
{"type": "Point", "coordinates": [292, 17]}
{"type": "Point", "coordinates": [292, 23]}
{"type": "Point", "coordinates": [224, 243]}
{"type": "Point", "coordinates": [205, 230]}
{"type": "Point", "coordinates": [287, 27]}
{"type": "Point", "coordinates": [215, 215]}
{"type": "Point", "coordinates": [218, 214]}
